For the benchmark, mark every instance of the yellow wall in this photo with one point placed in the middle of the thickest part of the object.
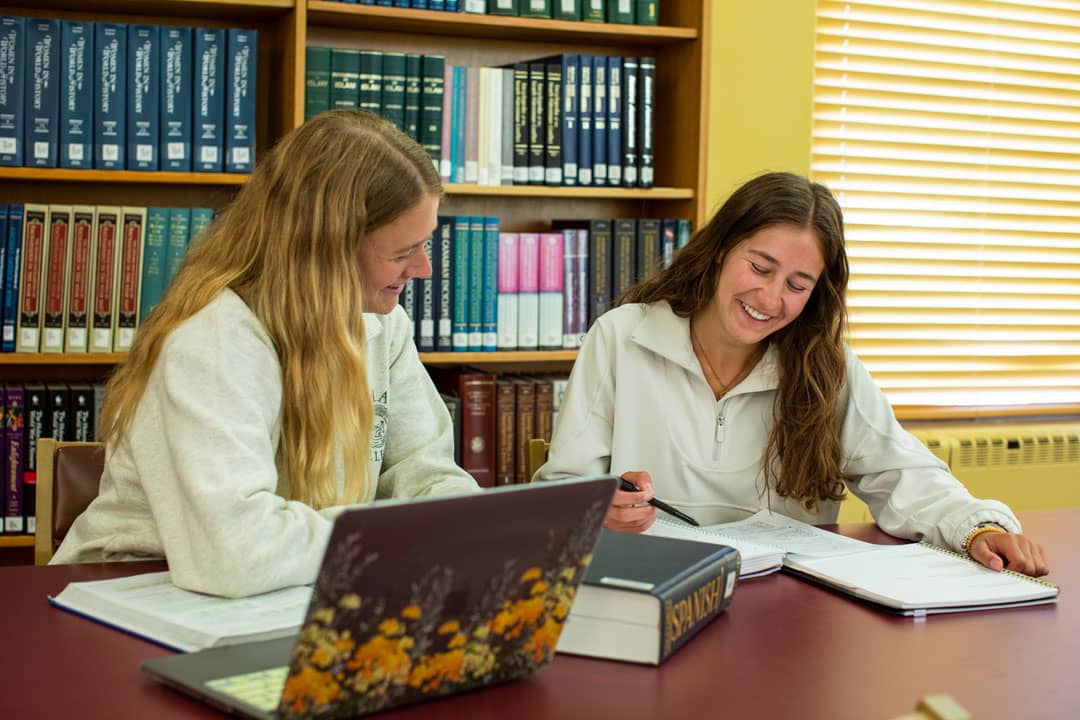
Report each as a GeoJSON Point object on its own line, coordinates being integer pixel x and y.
{"type": "Point", "coordinates": [760, 91]}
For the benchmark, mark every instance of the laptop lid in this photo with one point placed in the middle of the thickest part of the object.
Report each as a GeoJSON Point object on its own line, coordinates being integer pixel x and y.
{"type": "Point", "coordinates": [417, 599]}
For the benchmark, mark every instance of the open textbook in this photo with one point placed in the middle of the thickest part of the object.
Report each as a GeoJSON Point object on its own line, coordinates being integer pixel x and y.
{"type": "Point", "coordinates": [913, 579]}
{"type": "Point", "coordinates": [151, 607]}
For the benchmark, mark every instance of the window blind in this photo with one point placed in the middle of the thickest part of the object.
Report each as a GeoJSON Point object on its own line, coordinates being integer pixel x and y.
{"type": "Point", "coordinates": [950, 133]}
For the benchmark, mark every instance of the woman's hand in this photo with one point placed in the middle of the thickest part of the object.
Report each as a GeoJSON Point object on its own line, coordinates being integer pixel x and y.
{"type": "Point", "coordinates": [998, 551]}
{"type": "Point", "coordinates": [630, 511]}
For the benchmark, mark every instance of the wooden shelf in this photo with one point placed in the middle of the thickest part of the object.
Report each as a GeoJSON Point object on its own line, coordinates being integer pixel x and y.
{"type": "Point", "coordinates": [494, 27]}
{"type": "Point", "coordinates": [223, 9]}
{"type": "Point", "coordinates": [13, 541]}
{"type": "Point", "coordinates": [562, 191]}
{"type": "Point", "coordinates": [487, 359]}
{"type": "Point", "coordinates": [61, 358]}
{"type": "Point", "coordinates": [29, 174]}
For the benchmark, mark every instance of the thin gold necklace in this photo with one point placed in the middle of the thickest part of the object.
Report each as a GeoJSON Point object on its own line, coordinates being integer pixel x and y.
{"type": "Point", "coordinates": [724, 387]}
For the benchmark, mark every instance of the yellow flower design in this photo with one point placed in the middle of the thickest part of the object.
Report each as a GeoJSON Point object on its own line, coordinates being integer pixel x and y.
{"type": "Point", "coordinates": [411, 612]}
{"type": "Point", "coordinates": [531, 574]}
{"type": "Point", "coordinates": [349, 602]}
{"type": "Point", "coordinates": [451, 626]}
{"type": "Point", "coordinates": [310, 689]}
{"type": "Point", "coordinates": [390, 627]}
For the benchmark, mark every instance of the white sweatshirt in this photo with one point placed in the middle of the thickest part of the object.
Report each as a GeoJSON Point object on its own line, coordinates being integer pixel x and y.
{"type": "Point", "coordinates": [194, 478]}
{"type": "Point", "coordinates": [638, 400]}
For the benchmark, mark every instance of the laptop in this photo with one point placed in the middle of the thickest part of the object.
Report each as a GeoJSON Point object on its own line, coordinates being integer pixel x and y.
{"type": "Point", "coordinates": [416, 600]}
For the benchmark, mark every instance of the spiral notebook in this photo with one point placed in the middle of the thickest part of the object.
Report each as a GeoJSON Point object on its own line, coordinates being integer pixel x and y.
{"type": "Point", "coordinates": [920, 579]}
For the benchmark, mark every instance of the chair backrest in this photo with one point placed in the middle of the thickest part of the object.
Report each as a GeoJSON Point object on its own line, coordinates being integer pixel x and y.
{"type": "Point", "coordinates": [68, 476]}
{"type": "Point", "coordinates": [536, 452]}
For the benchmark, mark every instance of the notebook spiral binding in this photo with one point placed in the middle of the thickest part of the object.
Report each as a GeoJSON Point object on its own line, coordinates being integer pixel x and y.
{"type": "Point", "coordinates": [965, 556]}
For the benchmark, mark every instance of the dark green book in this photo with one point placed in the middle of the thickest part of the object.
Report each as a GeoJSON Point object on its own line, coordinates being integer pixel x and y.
{"type": "Point", "coordinates": [371, 80]}
{"type": "Point", "coordinates": [412, 95]}
{"type": "Point", "coordinates": [392, 99]}
{"type": "Point", "coordinates": [643, 597]}
{"type": "Point", "coordinates": [432, 68]}
{"type": "Point", "coordinates": [592, 10]}
{"type": "Point", "coordinates": [566, 10]}
{"type": "Point", "coordinates": [503, 7]}
{"type": "Point", "coordinates": [344, 78]}
{"type": "Point", "coordinates": [619, 11]}
{"type": "Point", "coordinates": [647, 12]}
{"type": "Point", "coordinates": [536, 8]}
{"type": "Point", "coordinates": [316, 81]}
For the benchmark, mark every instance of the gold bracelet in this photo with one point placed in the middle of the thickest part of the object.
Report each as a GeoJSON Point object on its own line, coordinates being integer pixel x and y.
{"type": "Point", "coordinates": [979, 530]}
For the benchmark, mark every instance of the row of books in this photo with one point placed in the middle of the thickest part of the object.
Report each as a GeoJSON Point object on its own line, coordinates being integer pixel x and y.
{"type": "Point", "coordinates": [567, 119]}
{"type": "Point", "coordinates": [494, 418]}
{"type": "Point", "coordinates": [639, 12]}
{"type": "Point", "coordinates": [114, 96]}
{"type": "Point", "coordinates": [36, 410]}
{"type": "Point", "coordinates": [492, 290]}
{"type": "Point", "coordinates": [79, 278]}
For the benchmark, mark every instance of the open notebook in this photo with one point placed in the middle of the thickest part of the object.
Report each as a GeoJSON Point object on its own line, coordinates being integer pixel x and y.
{"type": "Point", "coordinates": [914, 579]}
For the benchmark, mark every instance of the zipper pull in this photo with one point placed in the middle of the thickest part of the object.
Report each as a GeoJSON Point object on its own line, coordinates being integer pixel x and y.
{"type": "Point", "coordinates": [719, 434]}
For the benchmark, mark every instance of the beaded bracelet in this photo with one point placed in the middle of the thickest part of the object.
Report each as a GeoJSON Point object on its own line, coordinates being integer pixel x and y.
{"type": "Point", "coordinates": [983, 527]}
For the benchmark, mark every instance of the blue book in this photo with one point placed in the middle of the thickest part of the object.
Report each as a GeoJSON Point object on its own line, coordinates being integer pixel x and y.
{"type": "Point", "coordinates": [110, 95]}
{"type": "Point", "coordinates": [585, 119]}
{"type": "Point", "coordinates": [175, 88]}
{"type": "Point", "coordinates": [442, 273]}
{"type": "Point", "coordinates": [614, 120]}
{"type": "Point", "coordinates": [154, 260]}
{"type": "Point", "coordinates": [599, 121]}
{"type": "Point", "coordinates": [240, 115]}
{"type": "Point", "coordinates": [76, 94]}
{"type": "Point", "coordinates": [489, 309]}
{"type": "Point", "coordinates": [570, 115]}
{"type": "Point", "coordinates": [200, 220]}
{"type": "Point", "coordinates": [208, 115]}
{"type": "Point", "coordinates": [475, 281]}
{"type": "Point", "coordinates": [439, 5]}
{"type": "Point", "coordinates": [176, 243]}
{"type": "Point", "coordinates": [460, 283]}
{"type": "Point", "coordinates": [143, 57]}
{"type": "Point", "coordinates": [42, 85]}
{"type": "Point", "coordinates": [12, 91]}
{"type": "Point", "coordinates": [11, 269]}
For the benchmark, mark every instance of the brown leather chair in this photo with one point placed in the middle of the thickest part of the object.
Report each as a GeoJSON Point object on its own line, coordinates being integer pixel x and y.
{"type": "Point", "coordinates": [536, 452]}
{"type": "Point", "coordinates": [68, 476]}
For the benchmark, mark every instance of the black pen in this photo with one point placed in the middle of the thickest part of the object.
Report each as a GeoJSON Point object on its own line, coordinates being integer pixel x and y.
{"type": "Point", "coordinates": [625, 484]}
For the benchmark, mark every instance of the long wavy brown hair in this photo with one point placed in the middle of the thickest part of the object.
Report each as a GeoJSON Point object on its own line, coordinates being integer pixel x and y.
{"type": "Point", "coordinates": [288, 245]}
{"type": "Point", "coordinates": [802, 455]}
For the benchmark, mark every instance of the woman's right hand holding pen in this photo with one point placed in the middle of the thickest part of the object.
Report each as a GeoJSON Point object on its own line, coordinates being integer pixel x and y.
{"type": "Point", "coordinates": [630, 511]}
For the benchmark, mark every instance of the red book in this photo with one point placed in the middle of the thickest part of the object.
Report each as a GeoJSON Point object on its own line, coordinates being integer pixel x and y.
{"type": "Point", "coordinates": [477, 393]}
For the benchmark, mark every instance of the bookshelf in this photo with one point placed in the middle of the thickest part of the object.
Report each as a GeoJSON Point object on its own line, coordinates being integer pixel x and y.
{"type": "Point", "coordinates": [286, 27]}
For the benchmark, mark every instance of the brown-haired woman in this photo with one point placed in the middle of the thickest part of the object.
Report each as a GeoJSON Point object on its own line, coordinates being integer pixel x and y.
{"type": "Point", "coordinates": [723, 385]}
{"type": "Point", "coordinates": [277, 379]}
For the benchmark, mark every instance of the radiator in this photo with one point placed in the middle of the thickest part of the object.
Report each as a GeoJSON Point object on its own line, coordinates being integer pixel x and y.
{"type": "Point", "coordinates": [1030, 466]}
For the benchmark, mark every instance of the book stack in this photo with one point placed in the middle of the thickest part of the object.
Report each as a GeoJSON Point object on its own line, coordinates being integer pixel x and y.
{"type": "Point", "coordinates": [80, 278]}
{"type": "Point", "coordinates": [639, 12]}
{"type": "Point", "coordinates": [115, 96]}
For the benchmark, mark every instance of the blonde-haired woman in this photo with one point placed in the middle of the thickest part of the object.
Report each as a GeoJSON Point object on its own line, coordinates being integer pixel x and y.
{"type": "Point", "coordinates": [277, 379]}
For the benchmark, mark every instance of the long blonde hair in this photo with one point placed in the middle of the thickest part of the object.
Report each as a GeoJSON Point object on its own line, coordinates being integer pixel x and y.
{"type": "Point", "coordinates": [288, 245]}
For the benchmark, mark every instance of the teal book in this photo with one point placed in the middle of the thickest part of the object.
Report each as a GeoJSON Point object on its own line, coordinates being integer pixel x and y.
{"type": "Point", "coordinates": [503, 7]}
{"type": "Point", "coordinates": [153, 268]}
{"type": "Point", "coordinates": [592, 10]}
{"type": "Point", "coordinates": [42, 86]}
{"type": "Point", "coordinates": [460, 283]}
{"type": "Point", "coordinates": [177, 48]}
{"type": "Point", "coordinates": [476, 283]}
{"type": "Point", "coordinates": [143, 97]}
{"type": "Point", "coordinates": [316, 81]}
{"type": "Point", "coordinates": [242, 71]}
{"type": "Point", "coordinates": [76, 94]}
{"type": "Point", "coordinates": [392, 98]}
{"type": "Point", "coordinates": [200, 220]}
{"type": "Point", "coordinates": [489, 311]}
{"type": "Point", "coordinates": [176, 242]}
